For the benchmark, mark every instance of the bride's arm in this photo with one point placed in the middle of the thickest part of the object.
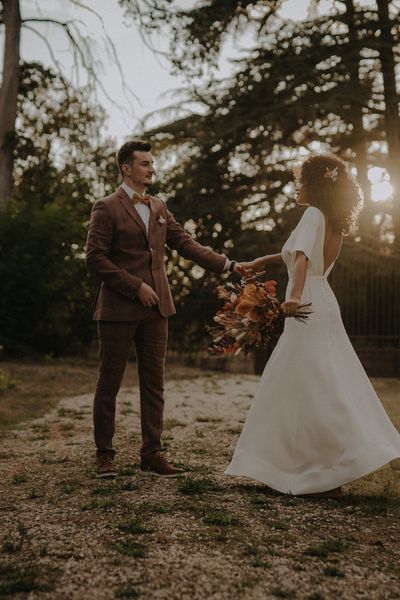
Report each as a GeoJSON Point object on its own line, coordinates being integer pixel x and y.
{"type": "Point", "coordinates": [258, 264]}
{"type": "Point", "coordinates": [299, 276]}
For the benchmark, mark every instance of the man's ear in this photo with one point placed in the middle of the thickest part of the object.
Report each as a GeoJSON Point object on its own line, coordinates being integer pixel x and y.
{"type": "Point", "coordinates": [125, 169]}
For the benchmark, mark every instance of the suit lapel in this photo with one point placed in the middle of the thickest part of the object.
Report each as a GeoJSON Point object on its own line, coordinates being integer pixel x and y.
{"type": "Point", "coordinates": [152, 221]}
{"type": "Point", "coordinates": [130, 208]}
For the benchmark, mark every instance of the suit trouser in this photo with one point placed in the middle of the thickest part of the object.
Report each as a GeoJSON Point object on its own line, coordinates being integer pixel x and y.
{"type": "Point", "coordinates": [116, 339]}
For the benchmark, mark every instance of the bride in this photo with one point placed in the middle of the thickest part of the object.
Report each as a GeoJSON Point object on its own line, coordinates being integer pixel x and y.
{"type": "Point", "coordinates": [316, 422]}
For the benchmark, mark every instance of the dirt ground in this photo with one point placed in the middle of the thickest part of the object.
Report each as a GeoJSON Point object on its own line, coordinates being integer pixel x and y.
{"type": "Point", "coordinates": [66, 535]}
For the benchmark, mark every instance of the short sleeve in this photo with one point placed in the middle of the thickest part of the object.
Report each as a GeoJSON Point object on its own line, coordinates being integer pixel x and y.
{"type": "Point", "coordinates": [307, 232]}
{"type": "Point", "coordinates": [305, 238]}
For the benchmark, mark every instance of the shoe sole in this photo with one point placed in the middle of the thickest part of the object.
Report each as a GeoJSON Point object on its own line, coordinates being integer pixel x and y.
{"type": "Point", "coordinates": [173, 475]}
{"type": "Point", "coordinates": [109, 475]}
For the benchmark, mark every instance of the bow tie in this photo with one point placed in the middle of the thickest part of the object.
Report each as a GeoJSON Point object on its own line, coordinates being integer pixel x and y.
{"type": "Point", "coordinates": [145, 199]}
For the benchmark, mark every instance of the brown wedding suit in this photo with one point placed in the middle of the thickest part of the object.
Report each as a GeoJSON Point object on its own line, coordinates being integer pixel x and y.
{"type": "Point", "coordinates": [122, 255]}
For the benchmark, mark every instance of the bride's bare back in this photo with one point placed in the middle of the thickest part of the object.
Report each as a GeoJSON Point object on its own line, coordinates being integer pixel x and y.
{"type": "Point", "coordinates": [332, 245]}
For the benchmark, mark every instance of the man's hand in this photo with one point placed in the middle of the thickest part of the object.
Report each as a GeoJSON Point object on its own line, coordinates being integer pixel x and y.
{"type": "Point", "coordinates": [147, 295]}
{"type": "Point", "coordinates": [241, 269]}
{"type": "Point", "coordinates": [245, 269]}
{"type": "Point", "coordinates": [290, 306]}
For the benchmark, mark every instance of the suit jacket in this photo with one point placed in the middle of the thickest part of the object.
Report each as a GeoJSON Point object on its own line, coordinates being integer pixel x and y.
{"type": "Point", "coordinates": [122, 255]}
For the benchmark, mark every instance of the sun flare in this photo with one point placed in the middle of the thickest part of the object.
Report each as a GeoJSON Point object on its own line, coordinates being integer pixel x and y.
{"type": "Point", "coordinates": [381, 188]}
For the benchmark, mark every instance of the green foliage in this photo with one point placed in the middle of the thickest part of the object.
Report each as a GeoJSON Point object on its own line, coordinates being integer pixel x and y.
{"type": "Point", "coordinates": [190, 486]}
{"type": "Point", "coordinates": [221, 519]}
{"type": "Point", "coordinates": [6, 381]}
{"type": "Point", "coordinates": [300, 86]}
{"type": "Point", "coordinates": [325, 548]}
{"type": "Point", "coordinates": [134, 526]}
{"type": "Point", "coordinates": [131, 548]}
{"type": "Point", "coordinates": [45, 300]}
{"type": "Point", "coordinates": [61, 166]}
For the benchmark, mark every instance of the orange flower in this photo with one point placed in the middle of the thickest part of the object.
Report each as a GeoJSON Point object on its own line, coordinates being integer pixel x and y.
{"type": "Point", "coordinates": [253, 314]}
{"type": "Point", "coordinates": [270, 285]}
{"type": "Point", "coordinates": [249, 288]}
{"type": "Point", "coordinates": [244, 307]}
{"type": "Point", "coordinates": [256, 296]}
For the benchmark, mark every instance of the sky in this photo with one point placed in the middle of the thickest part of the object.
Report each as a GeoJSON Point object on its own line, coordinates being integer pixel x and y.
{"type": "Point", "coordinates": [147, 75]}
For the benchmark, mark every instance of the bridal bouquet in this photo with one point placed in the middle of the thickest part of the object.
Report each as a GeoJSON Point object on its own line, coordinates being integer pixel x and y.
{"type": "Point", "coordinates": [246, 320]}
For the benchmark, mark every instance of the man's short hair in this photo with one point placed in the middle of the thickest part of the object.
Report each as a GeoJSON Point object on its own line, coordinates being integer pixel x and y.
{"type": "Point", "coordinates": [125, 153]}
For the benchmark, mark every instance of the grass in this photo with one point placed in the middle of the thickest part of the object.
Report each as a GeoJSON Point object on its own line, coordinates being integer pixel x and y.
{"type": "Point", "coordinates": [19, 478]}
{"type": "Point", "coordinates": [129, 470]}
{"type": "Point", "coordinates": [101, 504]}
{"type": "Point", "coordinates": [69, 487]}
{"type": "Point", "coordinates": [6, 382]}
{"type": "Point", "coordinates": [332, 571]}
{"type": "Point", "coordinates": [373, 505]}
{"type": "Point", "coordinates": [279, 592]}
{"type": "Point", "coordinates": [325, 548]}
{"type": "Point", "coordinates": [127, 593]}
{"type": "Point", "coordinates": [130, 548]}
{"type": "Point", "coordinates": [191, 486]}
{"type": "Point", "coordinates": [16, 579]}
{"type": "Point", "coordinates": [134, 526]}
{"type": "Point", "coordinates": [221, 519]}
{"type": "Point", "coordinates": [261, 503]}
{"type": "Point", "coordinates": [71, 412]}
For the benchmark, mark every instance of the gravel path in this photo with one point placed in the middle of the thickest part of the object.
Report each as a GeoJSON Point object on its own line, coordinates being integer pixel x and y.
{"type": "Point", "coordinates": [65, 535]}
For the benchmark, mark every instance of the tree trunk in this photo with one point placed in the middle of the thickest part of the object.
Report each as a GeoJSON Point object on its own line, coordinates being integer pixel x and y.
{"type": "Point", "coordinates": [8, 98]}
{"type": "Point", "coordinates": [392, 119]}
{"type": "Point", "coordinates": [359, 137]}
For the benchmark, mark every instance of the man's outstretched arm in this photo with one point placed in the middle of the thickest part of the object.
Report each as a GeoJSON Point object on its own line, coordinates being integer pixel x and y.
{"type": "Point", "coordinates": [188, 248]}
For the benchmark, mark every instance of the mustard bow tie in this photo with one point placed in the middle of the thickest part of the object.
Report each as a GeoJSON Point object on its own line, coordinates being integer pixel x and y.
{"type": "Point", "coordinates": [145, 199]}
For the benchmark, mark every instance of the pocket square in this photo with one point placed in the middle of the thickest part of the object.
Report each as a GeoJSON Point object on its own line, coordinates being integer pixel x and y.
{"type": "Point", "coordinates": [161, 220]}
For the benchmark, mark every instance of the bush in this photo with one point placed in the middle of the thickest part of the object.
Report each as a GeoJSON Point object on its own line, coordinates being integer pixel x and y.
{"type": "Point", "coordinates": [45, 302]}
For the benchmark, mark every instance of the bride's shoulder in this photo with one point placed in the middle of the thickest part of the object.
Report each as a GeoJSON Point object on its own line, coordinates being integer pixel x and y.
{"type": "Point", "coordinates": [311, 216]}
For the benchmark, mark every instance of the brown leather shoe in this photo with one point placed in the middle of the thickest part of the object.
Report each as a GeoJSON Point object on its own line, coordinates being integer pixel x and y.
{"type": "Point", "coordinates": [158, 465]}
{"type": "Point", "coordinates": [105, 465]}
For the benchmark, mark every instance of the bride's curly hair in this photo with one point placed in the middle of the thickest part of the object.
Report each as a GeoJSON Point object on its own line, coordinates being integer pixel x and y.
{"type": "Point", "coordinates": [326, 182]}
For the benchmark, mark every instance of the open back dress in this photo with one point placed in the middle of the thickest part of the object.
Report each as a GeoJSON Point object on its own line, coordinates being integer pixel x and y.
{"type": "Point", "coordinates": [315, 422]}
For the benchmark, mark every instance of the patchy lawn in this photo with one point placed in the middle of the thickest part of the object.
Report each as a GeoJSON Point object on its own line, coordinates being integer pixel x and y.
{"type": "Point", "coordinates": [65, 534]}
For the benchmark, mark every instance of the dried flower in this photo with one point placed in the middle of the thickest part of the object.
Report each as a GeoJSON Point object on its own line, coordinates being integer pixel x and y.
{"type": "Point", "coordinates": [332, 173]}
{"type": "Point", "coordinates": [248, 316]}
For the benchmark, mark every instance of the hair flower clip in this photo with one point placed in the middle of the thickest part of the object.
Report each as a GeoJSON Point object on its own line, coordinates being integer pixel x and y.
{"type": "Point", "coordinates": [332, 173]}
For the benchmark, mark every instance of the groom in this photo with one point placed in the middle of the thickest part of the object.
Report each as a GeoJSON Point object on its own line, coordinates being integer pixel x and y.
{"type": "Point", "coordinates": [125, 247]}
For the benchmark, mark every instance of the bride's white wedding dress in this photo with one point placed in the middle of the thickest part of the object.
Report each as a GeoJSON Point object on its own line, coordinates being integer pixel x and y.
{"type": "Point", "coordinates": [316, 422]}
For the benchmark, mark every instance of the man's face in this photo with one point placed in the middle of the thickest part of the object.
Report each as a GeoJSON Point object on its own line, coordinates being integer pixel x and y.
{"type": "Point", "coordinates": [141, 170]}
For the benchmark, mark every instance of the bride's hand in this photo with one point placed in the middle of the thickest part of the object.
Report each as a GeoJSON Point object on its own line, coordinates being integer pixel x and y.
{"type": "Point", "coordinates": [246, 269]}
{"type": "Point", "coordinates": [290, 306]}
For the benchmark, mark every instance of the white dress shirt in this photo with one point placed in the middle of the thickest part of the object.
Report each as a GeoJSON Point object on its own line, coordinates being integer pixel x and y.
{"type": "Point", "coordinates": [143, 209]}
{"type": "Point", "coordinates": [144, 213]}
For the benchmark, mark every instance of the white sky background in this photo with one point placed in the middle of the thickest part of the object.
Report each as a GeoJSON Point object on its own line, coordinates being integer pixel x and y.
{"type": "Point", "coordinates": [147, 75]}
